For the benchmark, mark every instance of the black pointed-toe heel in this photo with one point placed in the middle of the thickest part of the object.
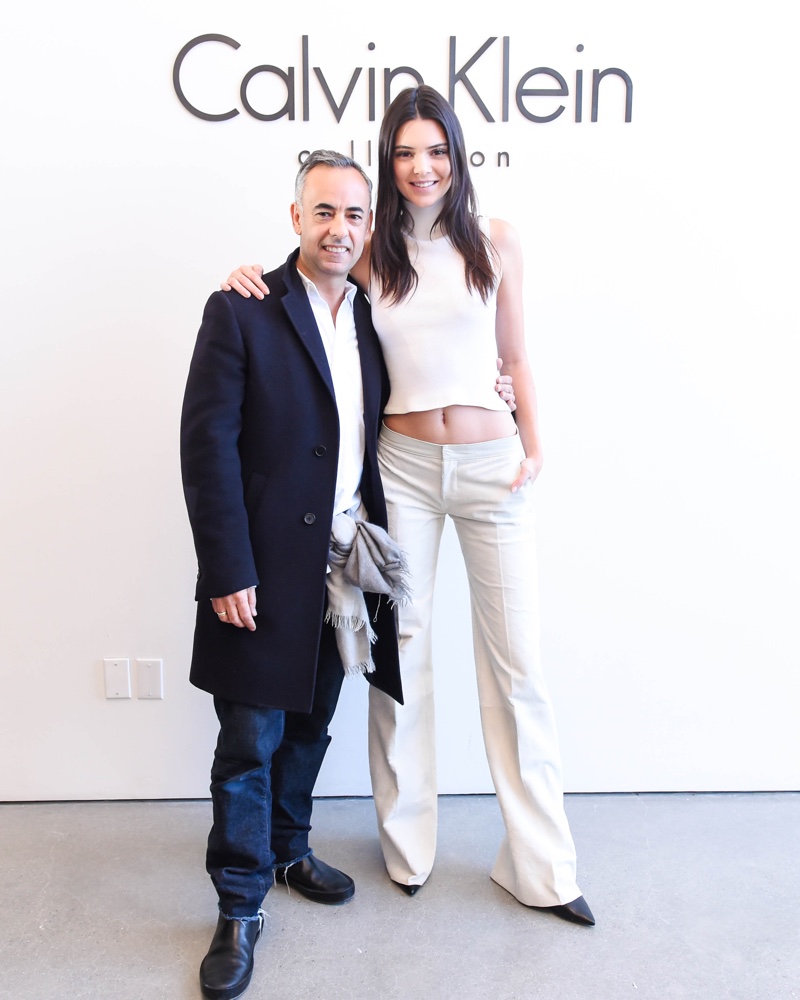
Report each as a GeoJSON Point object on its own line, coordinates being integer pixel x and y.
{"type": "Point", "coordinates": [577, 911]}
{"type": "Point", "coordinates": [409, 890]}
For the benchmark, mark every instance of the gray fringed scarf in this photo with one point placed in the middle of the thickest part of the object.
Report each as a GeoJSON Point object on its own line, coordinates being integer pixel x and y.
{"type": "Point", "coordinates": [362, 557]}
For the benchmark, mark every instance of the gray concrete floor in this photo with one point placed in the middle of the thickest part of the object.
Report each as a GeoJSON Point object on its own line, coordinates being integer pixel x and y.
{"type": "Point", "coordinates": [696, 896]}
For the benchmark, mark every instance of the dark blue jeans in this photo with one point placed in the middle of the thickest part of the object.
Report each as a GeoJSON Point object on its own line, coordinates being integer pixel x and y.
{"type": "Point", "coordinates": [265, 766]}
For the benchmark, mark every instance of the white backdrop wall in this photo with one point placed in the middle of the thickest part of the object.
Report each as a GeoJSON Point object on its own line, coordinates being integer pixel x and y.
{"type": "Point", "coordinates": [661, 259]}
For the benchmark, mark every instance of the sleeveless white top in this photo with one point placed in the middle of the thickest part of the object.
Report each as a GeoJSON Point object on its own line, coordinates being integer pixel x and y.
{"type": "Point", "coordinates": [439, 342]}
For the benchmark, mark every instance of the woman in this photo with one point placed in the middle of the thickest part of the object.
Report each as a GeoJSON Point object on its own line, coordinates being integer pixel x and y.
{"type": "Point", "coordinates": [446, 293]}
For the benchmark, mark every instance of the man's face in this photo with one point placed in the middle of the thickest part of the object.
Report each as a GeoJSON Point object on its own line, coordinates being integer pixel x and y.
{"type": "Point", "coordinates": [332, 220]}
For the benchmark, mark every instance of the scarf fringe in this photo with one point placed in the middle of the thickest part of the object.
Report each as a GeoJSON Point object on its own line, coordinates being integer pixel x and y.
{"type": "Point", "coordinates": [352, 622]}
{"type": "Point", "coordinates": [357, 669]}
{"type": "Point", "coordinates": [344, 621]}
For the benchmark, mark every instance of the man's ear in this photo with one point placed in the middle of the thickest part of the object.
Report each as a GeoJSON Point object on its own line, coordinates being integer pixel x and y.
{"type": "Point", "coordinates": [296, 216]}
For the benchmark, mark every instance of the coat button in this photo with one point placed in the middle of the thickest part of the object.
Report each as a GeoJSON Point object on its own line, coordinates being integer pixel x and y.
{"type": "Point", "coordinates": [309, 518]}
{"type": "Point", "coordinates": [320, 450]}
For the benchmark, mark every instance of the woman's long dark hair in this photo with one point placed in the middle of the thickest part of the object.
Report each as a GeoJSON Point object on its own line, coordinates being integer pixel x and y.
{"type": "Point", "coordinates": [458, 218]}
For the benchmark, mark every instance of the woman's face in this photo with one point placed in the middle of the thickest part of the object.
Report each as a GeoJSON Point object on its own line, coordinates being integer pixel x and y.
{"type": "Point", "coordinates": [422, 169]}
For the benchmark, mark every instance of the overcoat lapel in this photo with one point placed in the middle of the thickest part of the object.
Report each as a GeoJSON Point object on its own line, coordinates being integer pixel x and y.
{"type": "Point", "coordinates": [301, 315]}
{"type": "Point", "coordinates": [367, 352]}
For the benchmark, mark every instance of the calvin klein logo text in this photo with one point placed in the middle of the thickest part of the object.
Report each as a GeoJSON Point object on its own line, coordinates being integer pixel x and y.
{"type": "Point", "coordinates": [537, 95]}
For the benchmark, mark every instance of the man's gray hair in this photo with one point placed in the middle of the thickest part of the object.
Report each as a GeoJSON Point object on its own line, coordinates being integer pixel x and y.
{"type": "Point", "coordinates": [325, 158]}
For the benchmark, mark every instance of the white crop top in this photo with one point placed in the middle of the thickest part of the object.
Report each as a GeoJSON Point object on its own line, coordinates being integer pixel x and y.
{"type": "Point", "coordinates": [439, 342]}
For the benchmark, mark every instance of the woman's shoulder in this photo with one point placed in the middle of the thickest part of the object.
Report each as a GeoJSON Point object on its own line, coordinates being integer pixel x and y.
{"type": "Point", "coordinates": [502, 233]}
{"type": "Point", "coordinates": [505, 242]}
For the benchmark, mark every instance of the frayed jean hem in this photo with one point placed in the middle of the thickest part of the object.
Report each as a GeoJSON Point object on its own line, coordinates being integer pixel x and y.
{"type": "Point", "coordinates": [245, 920]}
{"type": "Point", "coordinates": [288, 864]}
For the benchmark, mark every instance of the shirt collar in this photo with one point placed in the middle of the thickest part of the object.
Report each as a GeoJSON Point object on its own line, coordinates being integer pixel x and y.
{"type": "Point", "coordinates": [349, 288]}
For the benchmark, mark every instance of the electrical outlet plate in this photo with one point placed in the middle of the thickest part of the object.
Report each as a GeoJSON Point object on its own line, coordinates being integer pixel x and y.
{"type": "Point", "coordinates": [117, 672]}
{"type": "Point", "coordinates": [150, 678]}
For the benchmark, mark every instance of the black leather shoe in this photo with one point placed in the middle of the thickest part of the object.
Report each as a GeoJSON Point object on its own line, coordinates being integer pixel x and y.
{"type": "Point", "coordinates": [316, 880]}
{"type": "Point", "coordinates": [409, 890]}
{"type": "Point", "coordinates": [577, 911]}
{"type": "Point", "coordinates": [226, 970]}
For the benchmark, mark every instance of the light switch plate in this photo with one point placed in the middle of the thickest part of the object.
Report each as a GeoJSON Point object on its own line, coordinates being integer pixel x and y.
{"type": "Point", "coordinates": [117, 673]}
{"type": "Point", "coordinates": [150, 678]}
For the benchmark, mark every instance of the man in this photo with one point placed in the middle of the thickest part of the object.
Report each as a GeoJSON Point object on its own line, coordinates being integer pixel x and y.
{"type": "Point", "coordinates": [278, 439]}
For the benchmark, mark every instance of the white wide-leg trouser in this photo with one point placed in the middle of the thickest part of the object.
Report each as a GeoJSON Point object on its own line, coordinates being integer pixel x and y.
{"type": "Point", "coordinates": [471, 483]}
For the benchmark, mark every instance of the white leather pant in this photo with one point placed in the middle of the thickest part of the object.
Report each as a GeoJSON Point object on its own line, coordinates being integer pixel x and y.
{"type": "Point", "coordinates": [471, 483]}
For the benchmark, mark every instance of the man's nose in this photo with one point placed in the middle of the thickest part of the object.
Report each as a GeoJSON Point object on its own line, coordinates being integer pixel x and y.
{"type": "Point", "coordinates": [338, 226]}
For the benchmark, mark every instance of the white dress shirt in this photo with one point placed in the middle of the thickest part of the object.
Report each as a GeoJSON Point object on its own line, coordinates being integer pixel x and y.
{"type": "Point", "coordinates": [341, 348]}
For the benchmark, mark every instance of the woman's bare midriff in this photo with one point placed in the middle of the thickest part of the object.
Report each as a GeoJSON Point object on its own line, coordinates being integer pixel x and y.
{"type": "Point", "coordinates": [453, 424]}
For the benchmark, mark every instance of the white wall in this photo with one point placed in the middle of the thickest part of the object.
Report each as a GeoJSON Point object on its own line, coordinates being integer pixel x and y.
{"type": "Point", "coordinates": [661, 262]}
